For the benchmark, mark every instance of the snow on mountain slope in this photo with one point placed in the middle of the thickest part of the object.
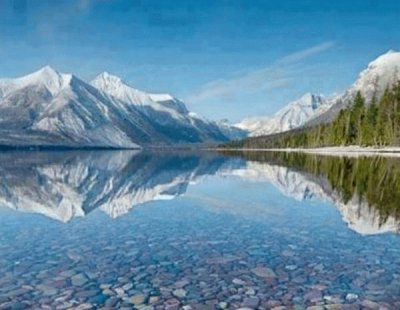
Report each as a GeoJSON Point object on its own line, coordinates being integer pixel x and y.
{"type": "Point", "coordinates": [45, 77]}
{"type": "Point", "coordinates": [231, 131]}
{"type": "Point", "coordinates": [381, 73]}
{"type": "Point", "coordinates": [51, 103]}
{"type": "Point", "coordinates": [91, 123]}
{"type": "Point", "coordinates": [314, 109]}
{"type": "Point", "coordinates": [166, 113]}
{"type": "Point", "coordinates": [294, 115]}
{"type": "Point", "coordinates": [53, 109]}
{"type": "Point", "coordinates": [117, 88]}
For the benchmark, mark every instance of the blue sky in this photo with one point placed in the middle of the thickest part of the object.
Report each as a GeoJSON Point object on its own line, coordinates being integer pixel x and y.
{"type": "Point", "coordinates": [226, 59]}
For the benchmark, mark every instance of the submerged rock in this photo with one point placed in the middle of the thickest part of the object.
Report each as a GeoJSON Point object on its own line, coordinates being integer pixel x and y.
{"type": "Point", "coordinates": [79, 279]}
{"type": "Point", "coordinates": [264, 272]}
{"type": "Point", "coordinates": [138, 299]}
{"type": "Point", "coordinates": [180, 293]}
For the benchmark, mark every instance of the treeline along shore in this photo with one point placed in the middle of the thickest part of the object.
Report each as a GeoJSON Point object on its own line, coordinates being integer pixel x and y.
{"type": "Point", "coordinates": [375, 123]}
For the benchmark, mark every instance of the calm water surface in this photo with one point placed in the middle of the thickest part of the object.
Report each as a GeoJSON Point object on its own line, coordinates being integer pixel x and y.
{"type": "Point", "coordinates": [126, 230]}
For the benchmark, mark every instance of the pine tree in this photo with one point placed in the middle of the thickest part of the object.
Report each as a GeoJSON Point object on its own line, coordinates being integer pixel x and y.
{"type": "Point", "coordinates": [355, 120]}
{"type": "Point", "coordinates": [377, 124]}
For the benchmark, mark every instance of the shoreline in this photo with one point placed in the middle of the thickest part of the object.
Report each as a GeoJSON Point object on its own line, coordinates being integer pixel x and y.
{"type": "Point", "coordinates": [393, 151]}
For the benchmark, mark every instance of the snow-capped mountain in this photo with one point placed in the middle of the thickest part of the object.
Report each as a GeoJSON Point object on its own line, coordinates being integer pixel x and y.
{"type": "Point", "coordinates": [231, 131]}
{"type": "Point", "coordinates": [166, 113]}
{"type": "Point", "coordinates": [117, 88]}
{"type": "Point", "coordinates": [294, 115]}
{"type": "Point", "coordinates": [48, 108]}
{"type": "Point", "coordinates": [45, 77]}
{"type": "Point", "coordinates": [381, 73]}
{"type": "Point", "coordinates": [314, 109]}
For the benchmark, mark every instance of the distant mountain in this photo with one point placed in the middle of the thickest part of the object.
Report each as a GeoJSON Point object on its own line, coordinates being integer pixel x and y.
{"type": "Point", "coordinates": [381, 73]}
{"type": "Point", "coordinates": [294, 115]}
{"type": "Point", "coordinates": [47, 108]}
{"type": "Point", "coordinates": [314, 109]}
{"type": "Point", "coordinates": [167, 114]}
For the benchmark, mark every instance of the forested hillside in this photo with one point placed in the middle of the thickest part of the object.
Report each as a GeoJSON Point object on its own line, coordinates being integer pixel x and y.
{"type": "Point", "coordinates": [375, 123]}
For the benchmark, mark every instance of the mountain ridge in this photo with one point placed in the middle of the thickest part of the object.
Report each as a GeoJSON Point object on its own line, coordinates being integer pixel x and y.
{"type": "Point", "coordinates": [295, 114]}
{"type": "Point", "coordinates": [379, 74]}
{"type": "Point", "coordinates": [48, 108]}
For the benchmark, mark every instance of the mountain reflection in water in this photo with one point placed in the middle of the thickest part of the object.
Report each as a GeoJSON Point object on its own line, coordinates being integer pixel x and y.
{"type": "Point", "coordinates": [64, 185]}
{"type": "Point", "coordinates": [366, 189]}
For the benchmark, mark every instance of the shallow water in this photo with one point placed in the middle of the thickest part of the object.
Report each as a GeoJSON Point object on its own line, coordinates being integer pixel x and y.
{"type": "Point", "coordinates": [164, 231]}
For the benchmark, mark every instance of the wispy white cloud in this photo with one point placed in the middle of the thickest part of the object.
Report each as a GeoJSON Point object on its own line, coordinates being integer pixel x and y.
{"type": "Point", "coordinates": [277, 75]}
{"type": "Point", "coordinates": [306, 53]}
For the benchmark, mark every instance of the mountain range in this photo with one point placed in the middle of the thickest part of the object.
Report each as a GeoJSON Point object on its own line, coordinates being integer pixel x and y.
{"type": "Point", "coordinates": [312, 109]}
{"type": "Point", "coordinates": [48, 108]}
{"type": "Point", "coordinates": [51, 109]}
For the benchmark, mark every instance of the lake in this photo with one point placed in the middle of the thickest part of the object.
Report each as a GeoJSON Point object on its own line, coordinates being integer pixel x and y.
{"type": "Point", "coordinates": [143, 230]}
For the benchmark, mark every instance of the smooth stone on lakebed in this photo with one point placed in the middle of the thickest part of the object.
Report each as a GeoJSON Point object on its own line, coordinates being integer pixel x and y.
{"type": "Point", "coordinates": [47, 290]}
{"type": "Point", "coordinates": [111, 302]}
{"type": "Point", "coordinates": [250, 291]}
{"type": "Point", "coordinates": [313, 296]}
{"type": "Point", "coordinates": [127, 286]}
{"type": "Point", "coordinates": [86, 306]}
{"type": "Point", "coordinates": [105, 286]}
{"type": "Point", "coordinates": [181, 283]}
{"type": "Point", "coordinates": [264, 272]}
{"type": "Point", "coordinates": [154, 299]}
{"type": "Point", "coordinates": [369, 304]}
{"type": "Point", "coordinates": [351, 297]}
{"type": "Point", "coordinates": [180, 293]}
{"type": "Point", "coordinates": [334, 307]}
{"type": "Point", "coordinates": [171, 304]}
{"type": "Point", "coordinates": [120, 291]}
{"type": "Point", "coordinates": [79, 279]}
{"type": "Point", "coordinates": [67, 273]}
{"type": "Point", "coordinates": [251, 302]}
{"type": "Point", "coordinates": [138, 299]}
{"type": "Point", "coordinates": [109, 292]}
{"type": "Point", "coordinates": [88, 293]}
{"type": "Point", "coordinates": [238, 281]}
{"type": "Point", "coordinates": [316, 308]}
